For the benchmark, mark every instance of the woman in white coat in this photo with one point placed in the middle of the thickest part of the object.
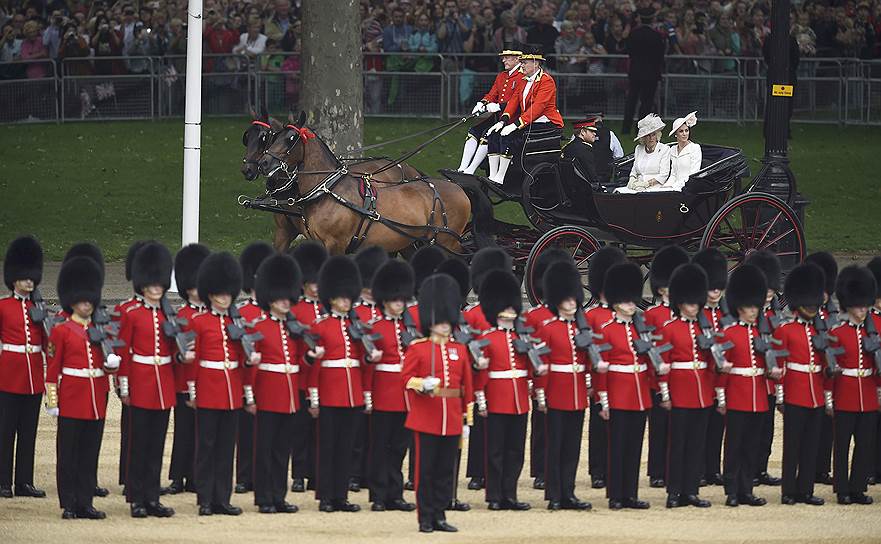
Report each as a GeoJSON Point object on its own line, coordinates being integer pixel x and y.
{"type": "Point", "coordinates": [685, 155]}
{"type": "Point", "coordinates": [651, 159]}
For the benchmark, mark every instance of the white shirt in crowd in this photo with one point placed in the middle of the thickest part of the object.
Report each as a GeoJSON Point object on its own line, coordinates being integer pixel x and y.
{"type": "Point", "coordinates": [648, 166]}
{"type": "Point", "coordinates": [249, 47]}
{"type": "Point", "coordinates": [683, 164]}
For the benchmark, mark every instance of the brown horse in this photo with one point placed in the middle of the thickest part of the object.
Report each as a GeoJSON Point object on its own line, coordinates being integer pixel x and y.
{"type": "Point", "coordinates": [336, 213]}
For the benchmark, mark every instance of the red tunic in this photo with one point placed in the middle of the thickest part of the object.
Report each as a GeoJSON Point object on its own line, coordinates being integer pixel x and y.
{"type": "Point", "coordinates": [597, 316]}
{"type": "Point", "coordinates": [854, 390]}
{"type": "Point", "coordinates": [534, 317]}
{"type": "Point", "coordinates": [23, 341]}
{"type": "Point", "coordinates": [505, 382]}
{"type": "Point", "coordinates": [367, 311]}
{"type": "Point", "coordinates": [504, 87]}
{"type": "Point", "coordinates": [77, 366]}
{"type": "Point", "coordinates": [745, 389]}
{"type": "Point", "coordinates": [803, 374]}
{"type": "Point", "coordinates": [657, 316]}
{"type": "Point", "coordinates": [689, 387]}
{"type": "Point", "coordinates": [386, 379]}
{"type": "Point", "coordinates": [715, 316]}
{"type": "Point", "coordinates": [435, 414]}
{"type": "Point", "coordinates": [565, 384]}
{"type": "Point", "coordinates": [540, 100]}
{"type": "Point", "coordinates": [219, 373]}
{"type": "Point", "coordinates": [277, 377]}
{"type": "Point", "coordinates": [473, 315]}
{"type": "Point", "coordinates": [414, 313]}
{"type": "Point", "coordinates": [338, 375]}
{"type": "Point", "coordinates": [250, 313]}
{"type": "Point", "coordinates": [186, 372]}
{"type": "Point", "coordinates": [148, 359]}
{"type": "Point", "coordinates": [629, 378]}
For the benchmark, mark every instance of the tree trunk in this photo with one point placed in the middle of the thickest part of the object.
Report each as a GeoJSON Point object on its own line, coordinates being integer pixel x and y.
{"type": "Point", "coordinates": [333, 96]}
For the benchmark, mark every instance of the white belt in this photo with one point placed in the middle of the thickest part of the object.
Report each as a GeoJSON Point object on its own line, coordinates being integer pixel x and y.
{"type": "Point", "coordinates": [747, 371]}
{"type": "Point", "coordinates": [280, 368]}
{"type": "Point", "coordinates": [340, 363]}
{"type": "Point", "coordinates": [22, 349]}
{"type": "Point", "coordinates": [83, 372]}
{"type": "Point", "coordinates": [219, 365]}
{"type": "Point", "coordinates": [801, 367]}
{"type": "Point", "coordinates": [628, 369]}
{"type": "Point", "coordinates": [568, 369]}
{"type": "Point", "coordinates": [385, 367]}
{"type": "Point", "coordinates": [502, 374]}
{"type": "Point", "coordinates": [857, 372]}
{"type": "Point", "coordinates": [152, 359]}
{"type": "Point", "coordinates": [688, 365]}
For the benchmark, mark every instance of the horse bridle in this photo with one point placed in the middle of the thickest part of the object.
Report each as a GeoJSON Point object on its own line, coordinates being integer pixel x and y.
{"type": "Point", "coordinates": [265, 131]}
{"type": "Point", "coordinates": [299, 133]}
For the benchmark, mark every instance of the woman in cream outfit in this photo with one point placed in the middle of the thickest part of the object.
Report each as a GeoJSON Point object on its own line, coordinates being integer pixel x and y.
{"type": "Point", "coordinates": [685, 155]}
{"type": "Point", "coordinates": [651, 159]}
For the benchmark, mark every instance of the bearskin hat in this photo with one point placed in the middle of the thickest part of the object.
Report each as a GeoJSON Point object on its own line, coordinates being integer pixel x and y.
{"type": "Point", "coordinates": [23, 261]}
{"type": "Point", "coordinates": [86, 249]}
{"type": "Point", "coordinates": [747, 286]}
{"type": "Point", "coordinates": [623, 283]}
{"type": "Point", "coordinates": [542, 262]}
{"type": "Point", "coordinates": [827, 262]}
{"type": "Point", "coordinates": [769, 264]}
{"type": "Point", "coordinates": [369, 260]}
{"type": "Point", "coordinates": [501, 290]}
{"type": "Point", "coordinates": [339, 277]}
{"type": "Point", "coordinates": [485, 260]}
{"type": "Point", "coordinates": [458, 270]}
{"type": "Point", "coordinates": [250, 259]}
{"type": "Point", "coordinates": [151, 265]}
{"type": "Point", "coordinates": [425, 261]}
{"type": "Point", "coordinates": [310, 255]}
{"type": "Point", "coordinates": [562, 280]}
{"type": "Point", "coordinates": [804, 286]}
{"type": "Point", "coordinates": [600, 262]}
{"type": "Point", "coordinates": [219, 273]}
{"type": "Point", "coordinates": [393, 281]}
{"type": "Point", "coordinates": [688, 285]}
{"type": "Point", "coordinates": [855, 287]}
{"type": "Point", "coordinates": [875, 267]}
{"type": "Point", "coordinates": [715, 265]}
{"type": "Point", "coordinates": [80, 280]}
{"type": "Point", "coordinates": [278, 277]}
{"type": "Point", "coordinates": [439, 302]}
{"type": "Point", "coordinates": [665, 261]}
{"type": "Point", "coordinates": [130, 256]}
{"type": "Point", "coordinates": [186, 267]}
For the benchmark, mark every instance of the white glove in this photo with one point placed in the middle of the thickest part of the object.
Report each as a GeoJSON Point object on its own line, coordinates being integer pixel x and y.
{"type": "Point", "coordinates": [509, 129]}
{"type": "Point", "coordinates": [480, 107]}
{"type": "Point", "coordinates": [52, 411]}
{"type": "Point", "coordinates": [495, 128]}
{"type": "Point", "coordinates": [492, 107]}
{"type": "Point", "coordinates": [112, 362]}
{"type": "Point", "coordinates": [429, 383]}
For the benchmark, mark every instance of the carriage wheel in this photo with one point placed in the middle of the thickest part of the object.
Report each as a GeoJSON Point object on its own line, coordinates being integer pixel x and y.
{"type": "Point", "coordinates": [577, 242]}
{"type": "Point", "coordinates": [754, 221]}
{"type": "Point", "coordinates": [540, 194]}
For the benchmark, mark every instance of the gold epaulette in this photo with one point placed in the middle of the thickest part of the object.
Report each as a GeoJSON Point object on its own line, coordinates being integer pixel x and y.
{"type": "Point", "coordinates": [134, 306]}
{"type": "Point", "coordinates": [550, 320]}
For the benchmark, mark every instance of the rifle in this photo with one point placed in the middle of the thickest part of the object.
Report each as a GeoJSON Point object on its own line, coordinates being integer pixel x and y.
{"type": "Point", "coordinates": [727, 318]}
{"type": "Point", "coordinates": [173, 327]}
{"type": "Point", "coordinates": [236, 332]}
{"type": "Point", "coordinates": [361, 333]}
{"type": "Point", "coordinates": [463, 334]}
{"type": "Point", "coordinates": [645, 343]}
{"type": "Point", "coordinates": [103, 332]}
{"type": "Point", "coordinates": [776, 318]}
{"type": "Point", "coordinates": [301, 331]}
{"type": "Point", "coordinates": [707, 340]}
{"type": "Point", "coordinates": [40, 314]}
{"type": "Point", "coordinates": [821, 342]}
{"type": "Point", "coordinates": [832, 312]}
{"type": "Point", "coordinates": [584, 340]}
{"type": "Point", "coordinates": [102, 318]}
{"type": "Point", "coordinates": [524, 343]}
{"type": "Point", "coordinates": [872, 341]}
{"type": "Point", "coordinates": [409, 333]}
{"type": "Point", "coordinates": [765, 342]}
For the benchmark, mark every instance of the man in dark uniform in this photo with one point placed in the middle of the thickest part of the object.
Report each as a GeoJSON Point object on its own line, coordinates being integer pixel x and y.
{"type": "Point", "coordinates": [606, 148]}
{"type": "Point", "coordinates": [580, 151]}
{"type": "Point", "coordinates": [645, 46]}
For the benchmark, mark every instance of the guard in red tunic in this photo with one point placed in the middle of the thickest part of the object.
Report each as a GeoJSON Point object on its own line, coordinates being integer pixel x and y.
{"type": "Point", "coordinates": [146, 379]}
{"type": "Point", "coordinates": [437, 373]}
{"type": "Point", "coordinates": [624, 381]}
{"type": "Point", "coordinates": [875, 312]}
{"type": "Point", "coordinates": [563, 392]}
{"type": "Point", "coordinates": [855, 392]}
{"type": "Point", "coordinates": [688, 388]}
{"type": "Point", "coordinates": [22, 345]}
{"type": "Point", "coordinates": [392, 287]}
{"type": "Point", "coordinates": [425, 262]}
{"type": "Point", "coordinates": [336, 393]}
{"type": "Point", "coordinates": [310, 255]}
{"type": "Point", "coordinates": [741, 393]}
{"type": "Point", "coordinates": [802, 384]}
{"type": "Point", "coordinates": [77, 388]}
{"type": "Point", "coordinates": [502, 390]}
{"type": "Point", "coordinates": [219, 387]}
{"type": "Point", "coordinates": [182, 470]}
{"type": "Point", "coordinates": [714, 263]}
{"type": "Point", "coordinates": [276, 387]}
{"type": "Point", "coordinates": [663, 264]}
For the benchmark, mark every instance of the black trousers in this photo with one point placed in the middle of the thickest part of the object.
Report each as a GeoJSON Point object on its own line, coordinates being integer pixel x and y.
{"type": "Point", "coordinates": [801, 434]}
{"type": "Point", "coordinates": [389, 440]}
{"type": "Point", "coordinates": [713, 452]}
{"type": "Point", "coordinates": [435, 462]}
{"type": "Point", "coordinates": [743, 437]}
{"type": "Point", "coordinates": [505, 453]}
{"type": "Point", "coordinates": [824, 447]}
{"type": "Point", "coordinates": [688, 439]}
{"type": "Point", "coordinates": [860, 426]}
{"type": "Point", "coordinates": [183, 449]}
{"type": "Point", "coordinates": [642, 91]}
{"type": "Point", "coordinates": [148, 429]}
{"type": "Point", "coordinates": [361, 448]}
{"type": "Point", "coordinates": [597, 444]}
{"type": "Point", "coordinates": [303, 443]}
{"type": "Point", "coordinates": [767, 436]}
{"type": "Point", "coordinates": [626, 431]}
{"type": "Point", "coordinates": [878, 449]}
{"type": "Point", "coordinates": [272, 436]}
{"type": "Point", "coordinates": [336, 440]}
{"type": "Point", "coordinates": [124, 442]}
{"type": "Point", "coordinates": [19, 415]}
{"type": "Point", "coordinates": [659, 435]}
{"type": "Point", "coordinates": [245, 449]}
{"type": "Point", "coordinates": [538, 422]}
{"type": "Point", "coordinates": [78, 446]}
{"type": "Point", "coordinates": [476, 467]}
{"type": "Point", "coordinates": [215, 450]}
{"type": "Point", "coordinates": [564, 430]}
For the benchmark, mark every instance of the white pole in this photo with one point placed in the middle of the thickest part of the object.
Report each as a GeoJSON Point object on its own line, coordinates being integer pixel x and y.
{"type": "Point", "coordinates": [192, 124]}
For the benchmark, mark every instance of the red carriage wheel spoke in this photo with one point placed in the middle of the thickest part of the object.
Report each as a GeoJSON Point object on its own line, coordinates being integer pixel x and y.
{"type": "Point", "coordinates": [740, 238]}
{"type": "Point", "coordinates": [777, 239]}
{"type": "Point", "coordinates": [768, 230]}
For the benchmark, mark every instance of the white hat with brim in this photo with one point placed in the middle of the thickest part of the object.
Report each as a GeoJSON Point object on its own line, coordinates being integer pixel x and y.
{"type": "Point", "coordinates": [689, 120]}
{"type": "Point", "coordinates": [647, 125]}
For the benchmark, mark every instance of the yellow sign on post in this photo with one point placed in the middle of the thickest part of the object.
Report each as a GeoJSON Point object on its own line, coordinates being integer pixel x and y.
{"type": "Point", "coordinates": [781, 90]}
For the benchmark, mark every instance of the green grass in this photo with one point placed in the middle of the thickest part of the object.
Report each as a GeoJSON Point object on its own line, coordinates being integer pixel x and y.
{"type": "Point", "coordinates": [115, 182]}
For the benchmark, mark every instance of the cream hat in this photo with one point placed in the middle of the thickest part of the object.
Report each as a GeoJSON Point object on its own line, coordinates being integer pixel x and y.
{"type": "Point", "coordinates": [647, 125]}
{"type": "Point", "coordinates": [689, 120]}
